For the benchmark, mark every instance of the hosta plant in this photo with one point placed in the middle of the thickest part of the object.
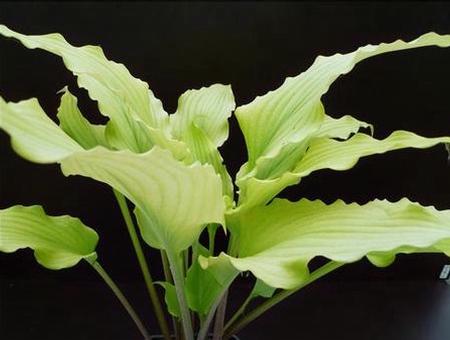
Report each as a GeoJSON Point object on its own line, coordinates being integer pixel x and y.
{"type": "Point", "coordinates": [170, 169]}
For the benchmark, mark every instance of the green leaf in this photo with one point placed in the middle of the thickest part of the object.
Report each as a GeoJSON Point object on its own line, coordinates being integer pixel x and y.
{"type": "Point", "coordinates": [139, 139]}
{"type": "Point", "coordinates": [73, 123]}
{"type": "Point", "coordinates": [120, 96]}
{"type": "Point", "coordinates": [342, 127]}
{"type": "Point", "coordinates": [149, 233]}
{"type": "Point", "coordinates": [279, 125]}
{"type": "Point", "coordinates": [34, 136]}
{"type": "Point", "coordinates": [262, 289]}
{"type": "Point", "coordinates": [170, 297]}
{"type": "Point", "coordinates": [204, 151]}
{"type": "Point", "coordinates": [58, 242]}
{"type": "Point", "coordinates": [204, 286]}
{"type": "Point", "coordinates": [147, 137]}
{"type": "Point", "coordinates": [177, 200]}
{"type": "Point", "coordinates": [325, 153]}
{"type": "Point", "coordinates": [208, 109]}
{"type": "Point", "coordinates": [330, 154]}
{"type": "Point", "coordinates": [277, 241]}
{"type": "Point", "coordinates": [201, 121]}
{"type": "Point", "coordinates": [287, 150]}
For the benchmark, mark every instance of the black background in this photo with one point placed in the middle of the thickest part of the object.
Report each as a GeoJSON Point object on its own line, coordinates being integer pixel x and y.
{"type": "Point", "coordinates": [253, 47]}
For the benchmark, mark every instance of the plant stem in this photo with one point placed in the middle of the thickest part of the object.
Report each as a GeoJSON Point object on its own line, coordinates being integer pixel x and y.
{"type": "Point", "coordinates": [194, 254]}
{"type": "Point", "coordinates": [211, 238]}
{"type": "Point", "coordinates": [176, 264]}
{"type": "Point", "coordinates": [185, 267]}
{"type": "Point", "coordinates": [237, 326]}
{"type": "Point", "coordinates": [143, 264]}
{"type": "Point", "coordinates": [232, 245]}
{"type": "Point", "coordinates": [121, 298]}
{"type": "Point", "coordinates": [166, 267]}
{"type": "Point", "coordinates": [220, 317]}
{"type": "Point", "coordinates": [239, 311]}
{"type": "Point", "coordinates": [185, 261]}
{"type": "Point", "coordinates": [207, 321]}
{"type": "Point", "coordinates": [169, 278]}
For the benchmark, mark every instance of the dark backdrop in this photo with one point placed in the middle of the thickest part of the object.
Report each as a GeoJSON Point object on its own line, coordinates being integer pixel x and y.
{"type": "Point", "coordinates": [253, 47]}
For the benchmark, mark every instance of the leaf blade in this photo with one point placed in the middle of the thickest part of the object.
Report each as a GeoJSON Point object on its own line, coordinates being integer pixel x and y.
{"type": "Point", "coordinates": [207, 108]}
{"type": "Point", "coordinates": [74, 124]}
{"type": "Point", "coordinates": [34, 135]}
{"type": "Point", "coordinates": [283, 106]}
{"type": "Point", "coordinates": [201, 121]}
{"type": "Point", "coordinates": [204, 286]}
{"type": "Point", "coordinates": [336, 155]}
{"type": "Point", "coordinates": [203, 150]}
{"type": "Point", "coordinates": [177, 199]}
{"type": "Point", "coordinates": [341, 127]}
{"type": "Point", "coordinates": [279, 125]}
{"type": "Point", "coordinates": [120, 96]}
{"type": "Point", "coordinates": [325, 153]}
{"type": "Point", "coordinates": [170, 298]}
{"type": "Point", "coordinates": [277, 241]}
{"type": "Point", "coordinates": [58, 242]}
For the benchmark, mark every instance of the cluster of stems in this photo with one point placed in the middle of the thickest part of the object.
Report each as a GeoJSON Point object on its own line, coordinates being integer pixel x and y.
{"type": "Point", "coordinates": [175, 267]}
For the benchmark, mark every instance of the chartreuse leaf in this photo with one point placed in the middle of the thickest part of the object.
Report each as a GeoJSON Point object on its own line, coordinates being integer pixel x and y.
{"type": "Point", "coordinates": [201, 121]}
{"type": "Point", "coordinates": [73, 123]}
{"type": "Point", "coordinates": [148, 231]}
{"type": "Point", "coordinates": [208, 108]}
{"type": "Point", "coordinates": [257, 191]}
{"type": "Point", "coordinates": [204, 286]}
{"type": "Point", "coordinates": [138, 140]}
{"type": "Point", "coordinates": [58, 242]}
{"type": "Point", "coordinates": [34, 136]}
{"type": "Point", "coordinates": [278, 126]}
{"type": "Point", "coordinates": [325, 153]}
{"type": "Point", "coordinates": [176, 200]}
{"type": "Point", "coordinates": [342, 127]}
{"type": "Point", "coordinates": [108, 82]}
{"type": "Point", "coordinates": [277, 241]}
{"type": "Point", "coordinates": [123, 98]}
{"type": "Point", "coordinates": [206, 152]}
